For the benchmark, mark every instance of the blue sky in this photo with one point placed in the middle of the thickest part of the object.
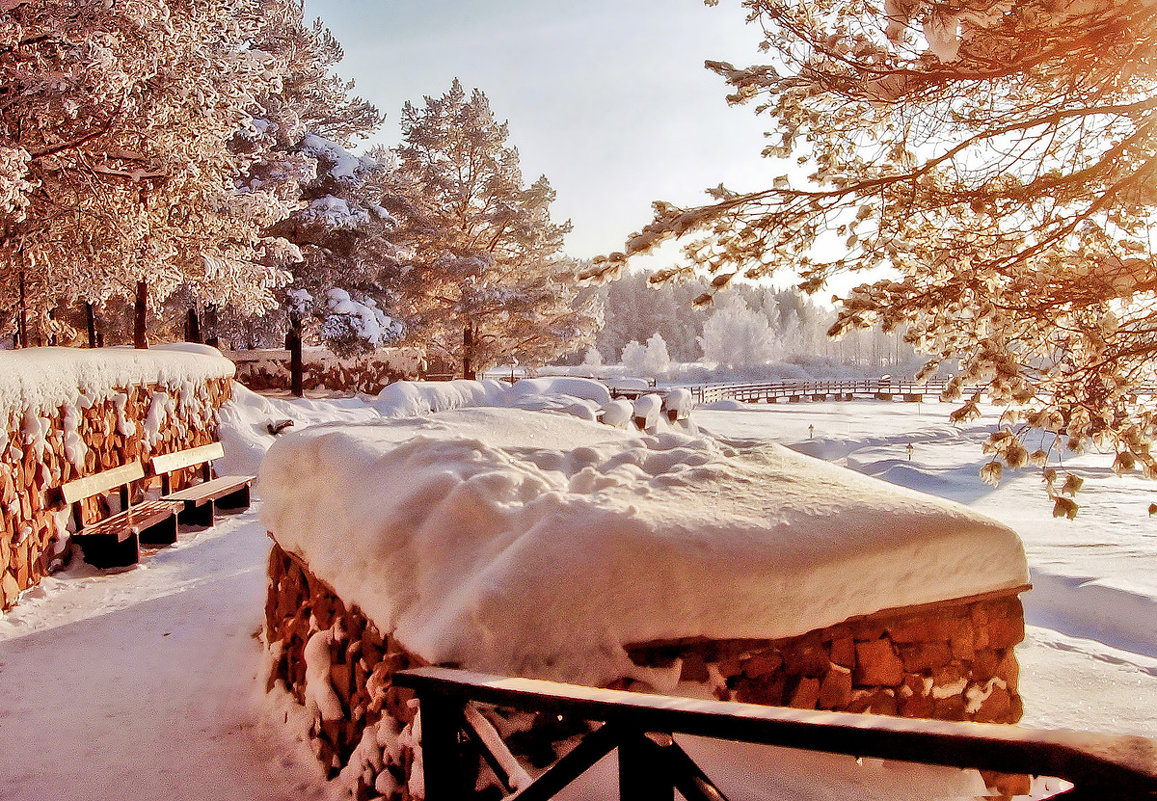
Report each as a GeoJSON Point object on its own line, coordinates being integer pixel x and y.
{"type": "Point", "coordinates": [608, 98]}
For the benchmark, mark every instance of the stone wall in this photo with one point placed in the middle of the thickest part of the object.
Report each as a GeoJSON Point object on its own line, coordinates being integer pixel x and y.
{"type": "Point", "coordinates": [269, 369]}
{"type": "Point", "coordinates": [951, 660]}
{"type": "Point", "coordinates": [45, 448]}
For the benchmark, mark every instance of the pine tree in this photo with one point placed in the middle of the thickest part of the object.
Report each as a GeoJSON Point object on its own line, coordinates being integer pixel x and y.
{"type": "Point", "coordinates": [337, 294]}
{"type": "Point", "coordinates": [485, 270]}
{"type": "Point", "coordinates": [1000, 158]}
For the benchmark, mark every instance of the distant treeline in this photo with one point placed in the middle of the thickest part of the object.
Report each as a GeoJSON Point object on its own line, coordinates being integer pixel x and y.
{"type": "Point", "coordinates": [747, 326]}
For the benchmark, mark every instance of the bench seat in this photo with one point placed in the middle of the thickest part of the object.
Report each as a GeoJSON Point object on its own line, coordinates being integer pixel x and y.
{"type": "Point", "coordinates": [199, 501]}
{"type": "Point", "coordinates": [115, 541]}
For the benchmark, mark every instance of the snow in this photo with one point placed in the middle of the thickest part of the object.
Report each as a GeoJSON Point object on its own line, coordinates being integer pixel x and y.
{"type": "Point", "coordinates": [564, 385]}
{"type": "Point", "coordinates": [493, 515]}
{"type": "Point", "coordinates": [320, 697]}
{"type": "Point", "coordinates": [647, 408]}
{"type": "Point", "coordinates": [346, 166]}
{"type": "Point", "coordinates": [145, 683]}
{"type": "Point", "coordinates": [365, 319]}
{"type": "Point", "coordinates": [44, 379]}
{"type": "Point", "coordinates": [334, 212]}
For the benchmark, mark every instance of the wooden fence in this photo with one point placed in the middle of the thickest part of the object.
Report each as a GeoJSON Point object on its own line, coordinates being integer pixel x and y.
{"type": "Point", "coordinates": [878, 388]}
{"type": "Point", "coordinates": [652, 766]}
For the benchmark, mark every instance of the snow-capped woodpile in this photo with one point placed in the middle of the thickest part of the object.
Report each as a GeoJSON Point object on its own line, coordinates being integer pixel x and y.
{"type": "Point", "coordinates": [321, 369]}
{"type": "Point", "coordinates": [951, 660]}
{"type": "Point", "coordinates": [68, 413]}
{"type": "Point", "coordinates": [336, 664]}
{"type": "Point", "coordinates": [948, 661]}
{"type": "Point", "coordinates": [522, 543]}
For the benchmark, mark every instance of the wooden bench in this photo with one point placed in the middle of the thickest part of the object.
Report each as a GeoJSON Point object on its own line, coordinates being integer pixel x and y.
{"type": "Point", "coordinates": [201, 500]}
{"type": "Point", "coordinates": [115, 540]}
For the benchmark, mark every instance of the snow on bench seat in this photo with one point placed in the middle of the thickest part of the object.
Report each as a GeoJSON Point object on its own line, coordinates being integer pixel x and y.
{"type": "Point", "coordinates": [539, 545]}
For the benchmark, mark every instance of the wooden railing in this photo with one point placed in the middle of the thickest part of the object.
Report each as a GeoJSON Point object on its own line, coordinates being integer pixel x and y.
{"type": "Point", "coordinates": [752, 392]}
{"type": "Point", "coordinates": [652, 766]}
{"type": "Point", "coordinates": [818, 390]}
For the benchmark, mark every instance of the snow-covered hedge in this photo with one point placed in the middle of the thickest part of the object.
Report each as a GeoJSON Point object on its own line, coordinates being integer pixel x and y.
{"type": "Point", "coordinates": [68, 412]}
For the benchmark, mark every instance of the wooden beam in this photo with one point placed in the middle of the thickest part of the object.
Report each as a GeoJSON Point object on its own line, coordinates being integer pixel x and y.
{"type": "Point", "coordinates": [1126, 765]}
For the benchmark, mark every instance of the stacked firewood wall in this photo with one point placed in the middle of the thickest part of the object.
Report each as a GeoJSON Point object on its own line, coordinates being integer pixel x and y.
{"type": "Point", "coordinates": [33, 519]}
{"type": "Point", "coordinates": [946, 661]}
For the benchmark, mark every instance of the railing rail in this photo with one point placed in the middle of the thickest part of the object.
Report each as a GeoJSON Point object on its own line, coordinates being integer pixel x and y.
{"type": "Point", "coordinates": [773, 390]}
{"type": "Point", "coordinates": [652, 765]}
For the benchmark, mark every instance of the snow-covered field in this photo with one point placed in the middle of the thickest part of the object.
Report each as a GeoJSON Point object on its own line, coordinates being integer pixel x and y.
{"type": "Point", "coordinates": [142, 684]}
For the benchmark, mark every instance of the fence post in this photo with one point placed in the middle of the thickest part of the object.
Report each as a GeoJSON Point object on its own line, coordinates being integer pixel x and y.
{"type": "Point", "coordinates": [443, 769]}
{"type": "Point", "coordinates": [643, 772]}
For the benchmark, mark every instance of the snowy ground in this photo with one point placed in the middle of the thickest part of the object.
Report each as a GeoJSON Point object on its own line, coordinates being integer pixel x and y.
{"type": "Point", "coordinates": [141, 684]}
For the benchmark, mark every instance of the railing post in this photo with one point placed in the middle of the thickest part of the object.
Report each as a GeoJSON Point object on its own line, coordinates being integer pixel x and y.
{"type": "Point", "coordinates": [442, 765]}
{"type": "Point", "coordinates": [643, 772]}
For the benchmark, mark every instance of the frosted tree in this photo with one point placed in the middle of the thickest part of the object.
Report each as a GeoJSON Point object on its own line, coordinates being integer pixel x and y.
{"type": "Point", "coordinates": [1000, 159]}
{"type": "Point", "coordinates": [633, 356]}
{"type": "Point", "coordinates": [339, 294]}
{"type": "Point", "coordinates": [656, 360]}
{"type": "Point", "coordinates": [737, 336]}
{"type": "Point", "coordinates": [635, 309]}
{"type": "Point", "coordinates": [484, 269]}
{"type": "Point", "coordinates": [340, 290]}
{"type": "Point", "coordinates": [118, 177]}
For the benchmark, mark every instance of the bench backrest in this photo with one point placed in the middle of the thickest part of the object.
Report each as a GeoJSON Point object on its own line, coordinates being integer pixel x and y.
{"type": "Point", "coordinates": [104, 481]}
{"type": "Point", "coordinates": [168, 462]}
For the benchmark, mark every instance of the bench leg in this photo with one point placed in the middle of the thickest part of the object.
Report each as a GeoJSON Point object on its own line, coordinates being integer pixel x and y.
{"type": "Point", "coordinates": [198, 515]}
{"type": "Point", "coordinates": [234, 501]}
{"type": "Point", "coordinates": [163, 533]}
{"type": "Point", "coordinates": [105, 551]}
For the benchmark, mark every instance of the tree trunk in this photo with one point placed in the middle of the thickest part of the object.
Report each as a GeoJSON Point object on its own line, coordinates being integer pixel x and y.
{"type": "Point", "coordinates": [211, 337]}
{"type": "Point", "coordinates": [192, 326]}
{"type": "Point", "coordinates": [468, 345]}
{"type": "Point", "coordinates": [90, 318]}
{"type": "Point", "coordinates": [296, 364]}
{"type": "Point", "coordinates": [23, 312]}
{"type": "Point", "coordinates": [140, 340]}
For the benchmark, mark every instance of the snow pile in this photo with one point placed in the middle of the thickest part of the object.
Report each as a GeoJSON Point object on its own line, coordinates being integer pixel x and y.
{"type": "Point", "coordinates": [45, 379]}
{"type": "Point", "coordinates": [346, 166]}
{"type": "Point", "coordinates": [540, 545]}
{"type": "Point", "coordinates": [417, 398]}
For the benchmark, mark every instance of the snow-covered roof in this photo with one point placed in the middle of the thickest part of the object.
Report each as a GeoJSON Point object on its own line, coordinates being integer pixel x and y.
{"type": "Point", "coordinates": [521, 542]}
{"type": "Point", "coordinates": [46, 378]}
